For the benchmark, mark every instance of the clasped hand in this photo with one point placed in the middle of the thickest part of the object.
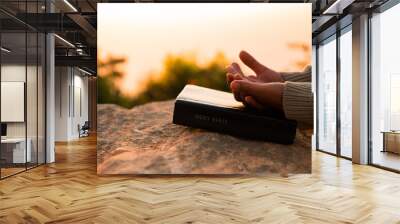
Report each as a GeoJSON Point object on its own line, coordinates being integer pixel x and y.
{"type": "Point", "coordinates": [262, 90]}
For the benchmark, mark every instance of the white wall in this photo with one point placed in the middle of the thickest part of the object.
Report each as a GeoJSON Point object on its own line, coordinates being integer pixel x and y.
{"type": "Point", "coordinates": [33, 126]}
{"type": "Point", "coordinates": [80, 109]}
{"type": "Point", "coordinates": [12, 73]}
{"type": "Point", "coordinates": [62, 82]}
{"type": "Point", "coordinates": [71, 102]}
{"type": "Point", "coordinates": [13, 101]}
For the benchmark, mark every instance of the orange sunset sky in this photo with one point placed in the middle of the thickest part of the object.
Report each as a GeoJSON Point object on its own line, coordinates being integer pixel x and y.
{"type": "Point", "coordinates": [145, 33]}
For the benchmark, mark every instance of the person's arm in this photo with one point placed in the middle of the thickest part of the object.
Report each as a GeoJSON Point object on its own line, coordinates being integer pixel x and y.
{"type": "Point", "coordinates": [304, 76]}
{"type": "Point", "coordinates": [297, 102]}
{"type": "Point", "coordinates": [295, 99]}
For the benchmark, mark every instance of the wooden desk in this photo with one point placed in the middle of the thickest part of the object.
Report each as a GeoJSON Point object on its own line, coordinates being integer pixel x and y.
{"type": "Point", "coordinates": [391, 141]}
{"type": "Point", "coordinates": [17, 150]}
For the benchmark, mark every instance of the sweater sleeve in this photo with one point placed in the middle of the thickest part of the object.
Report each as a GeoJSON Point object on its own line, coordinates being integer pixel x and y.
{"type": "Point", "coordinates": [304, 76]}
{"type": "Point", "coordinates": [297, 101]}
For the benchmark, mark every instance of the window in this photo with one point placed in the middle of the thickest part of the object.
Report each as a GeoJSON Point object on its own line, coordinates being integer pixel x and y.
{"type": "Point", "coordinates": [385, 89]}
{"type": "Point", "coordinates": [326, 101]}
{"type": "Point", "coordinates": [346, 92]}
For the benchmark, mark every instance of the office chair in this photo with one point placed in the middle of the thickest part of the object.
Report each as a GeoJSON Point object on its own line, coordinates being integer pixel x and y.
{"type": "Point", "coordinates": [84, 130]}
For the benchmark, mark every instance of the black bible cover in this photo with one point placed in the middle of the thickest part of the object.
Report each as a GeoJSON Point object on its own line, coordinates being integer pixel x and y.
{"type": "Point", "coordinates": [214, 110]}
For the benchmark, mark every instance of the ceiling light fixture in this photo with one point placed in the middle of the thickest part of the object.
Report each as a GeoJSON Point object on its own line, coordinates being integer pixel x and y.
{"type": "Point", "coordinates": [79, 51]}
{"type": "Point", "coordinates": [70, 5]}
{"type": "Point", "coordinates": [65, 41]}
{"type": "Point", "coordinates": [338, 6]}
{"type": "Point", "coordinates": [5, 50]}
{"type": "Point", "coordinates": [84, 71]}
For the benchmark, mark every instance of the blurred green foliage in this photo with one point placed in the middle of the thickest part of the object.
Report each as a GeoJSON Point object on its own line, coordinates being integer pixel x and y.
{"type": "Point", "coordinates": [107, 90]}
{"type": "Point", "coordinates": [178, 71]}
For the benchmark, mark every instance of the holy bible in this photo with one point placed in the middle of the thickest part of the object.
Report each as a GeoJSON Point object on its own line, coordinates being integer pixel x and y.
{"type": "Point", "coordinates": [214, 110]}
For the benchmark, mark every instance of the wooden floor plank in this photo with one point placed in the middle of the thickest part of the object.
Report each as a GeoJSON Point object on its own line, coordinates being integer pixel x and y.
{"type": "Point", "coordinates": [69, 191]}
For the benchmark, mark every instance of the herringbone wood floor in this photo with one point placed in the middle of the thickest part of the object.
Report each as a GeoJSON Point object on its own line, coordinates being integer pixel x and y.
{"type": "Point", "coordinates": [69, 191]}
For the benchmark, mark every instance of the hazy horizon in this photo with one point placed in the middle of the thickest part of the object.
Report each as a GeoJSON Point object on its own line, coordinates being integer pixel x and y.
{"type": "Point", "coordinates": [146, 33]}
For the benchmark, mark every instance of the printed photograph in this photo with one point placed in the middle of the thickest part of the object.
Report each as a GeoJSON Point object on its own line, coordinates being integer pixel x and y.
{"type": "Point", "coordinates": [204, 88]}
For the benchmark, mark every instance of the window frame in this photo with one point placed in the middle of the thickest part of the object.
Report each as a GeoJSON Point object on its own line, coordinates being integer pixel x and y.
{"type": "Point", "coordinates": [333, 37]}
{"type": "Point", "coordinates": [381, 9]}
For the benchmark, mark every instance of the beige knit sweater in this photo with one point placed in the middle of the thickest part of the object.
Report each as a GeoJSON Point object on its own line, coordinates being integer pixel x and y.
{"type": "Point", "coordinates": [297, 99]}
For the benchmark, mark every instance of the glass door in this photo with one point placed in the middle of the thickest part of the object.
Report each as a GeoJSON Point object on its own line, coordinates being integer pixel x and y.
{"type": "Point", "coordinates": [32, 98]}
{"type": "Point", "coordinates": [22, 77]}
{"type": "Point", "coordinates": [14, 153]}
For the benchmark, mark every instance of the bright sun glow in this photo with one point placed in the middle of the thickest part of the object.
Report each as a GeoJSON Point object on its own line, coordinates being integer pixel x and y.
{"type": "Point", "coordinates": [145, 33]}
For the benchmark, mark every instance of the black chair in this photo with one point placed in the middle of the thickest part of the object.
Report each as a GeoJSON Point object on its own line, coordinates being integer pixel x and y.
{"type": "Point", "coordinates": [84, 130]}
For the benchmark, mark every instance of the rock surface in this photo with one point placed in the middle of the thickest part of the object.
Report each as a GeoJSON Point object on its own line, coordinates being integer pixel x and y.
{"type": "Point", "coordinates": [143, 140]}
